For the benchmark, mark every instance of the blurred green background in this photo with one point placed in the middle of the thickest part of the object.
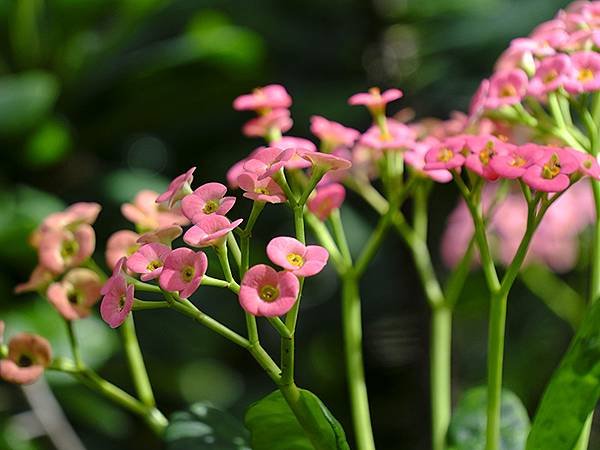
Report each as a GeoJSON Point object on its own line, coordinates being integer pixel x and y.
{"type": "Point", "coordinates": [101, 98]}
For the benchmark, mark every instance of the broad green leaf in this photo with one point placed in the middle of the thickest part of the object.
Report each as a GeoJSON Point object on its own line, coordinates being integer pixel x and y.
{"type": "Point", "coordinates": [25, 99]}
{"type": "Point", "coordinates": [468, 425]}
{"type": "Point", "coordinates": [49, 144]}
{"type": "Point", "coordinates": [572, 392]}
{"type": "Point", "coordinates": [204, 427]}
{"type": "Point", "coordinates": [273, 425]}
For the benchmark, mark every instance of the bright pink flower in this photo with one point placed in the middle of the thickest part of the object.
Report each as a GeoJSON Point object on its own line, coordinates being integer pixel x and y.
{"type": "Point", "coordinates": [586, 77]}
{"type": "Point", "coordinates": [178, 189]}
{"type": "Point", "coordinates": [516, 160]}
{"type": "Point", "coordinates": [266, 292]}
{"type": "Point", "coordinates": [327, 199]}
{"type": "Point", "coordinates": [326, 161]}
{"type": "Point", "coordinates": [448, 154]}
{"type": "Point", "coordinates": [552, 73]}
{"type": "Point", "coordinates": [273, 96]}
{"type": "Point", "coordinates": [148, 260]}
{"type": "Point", "coordinates": [268, 161]}
{"type": "Point", "coordinates": [206, 200]}
{"type": "Point", "coordinates": [375, 99]}
{"type": "Point", "coordinates": [237, 169]}
{"type": "Point", "coordinates": [519, 54]}
{"type": "Point", "coordinates": [482, 150]}
{"type": "Point", "coordinates": [265, 190]}
{"type": "Point", "coordinates": [118, 275]}
{"type": "Point", "coordinates": [551, 172]}
{"type": "Point", "coordinates": [506, 88]}
{"type": "Point", "coordinates": [293, 256]}
{"type": "Point", "coordinates": [479, 100]}
{"type": "Point", "coordinates": [61, 249]}
{"type": "Point", "coordinates": [147, 215]}
{"type": "Point", "coordinates": [28, 356]}
{"type": "Point", "coordinates": [278, 119]}
{"type": "Point", "coordinates": [210, 231]}
{"type": "Point", "coordinates": [121, 243]}
{"type": "Point", "coordinates": [332, 134]}
{"type": "Point", "coordinates": [74, 296]}
{"type": "Point", "coordinates": [39, 279]}
{"type": "Point", "coordinates": [183, 271]}
{"type": "Point", "coordinates": [415, 157]}
{"type": "Point", "coordinates": [117, 302]}
{"type": "Point", "coordinates": [164, 235]}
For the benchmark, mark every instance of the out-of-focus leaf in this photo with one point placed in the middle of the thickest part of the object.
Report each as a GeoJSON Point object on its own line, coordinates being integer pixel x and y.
{"type": "Point", "coordinates": [11, 438]}
{"type": "Point", "coordinates": [25, 99]}
{"type": "Point", "coordinates": [273, 425]}
{"type": "Point", "coordinates": [468, 425]}
{"type": "Point", "coordinates": [204, 427]}
{"type": "Point", "coordinates": [122, 185]}
{"type": "Point", "coordinates": [210, 380]}
{"type": "Point", "coordinates": [573, 391]}
{"type": "Point", "coordinates": [49, 144]}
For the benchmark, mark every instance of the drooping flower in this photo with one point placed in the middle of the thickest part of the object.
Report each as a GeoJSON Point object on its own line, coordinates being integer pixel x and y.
{"type": "Point", "coordinates": [326, 161]}
{"type": "Point", "coordinates": [61, 249]}
{"type": "Point", "coordinates": [74, 296]}
{"type": "Point", "coordinates": [375, 100]}
{"type": "Point", "coordinates": [183, 271]}
{"type": "Point", "coordinates": [178, 188]}
{"type": "Point", "coordinates": [268, 293]}
{"type": "Point", "coordinates": [506, 88]}
{"type": "Point", "coordinates": [515, 161]}
{"type": "Point", "coordinates": [206, 200]}
{"type": "Point", "coordinates": [39, 279]}
{"type": "Point", "coordinates": [266, 190]}
{"type": "Point", "coordinates": [586, 77]}
{"type": "Point", "coordinates": [121, 243]}
{"type": "Point", "coordinates": [268, 161]}
{"type": "Point", "coordinates": [332, 134]}
{"type": "Point", "coordinates": [210, 231]}
{"type": "Point", "coordinates": [278, 119]}
{"type": "Point", "coordinates": [293, 256]}
{"type": "Point", "coordinates": [551, 172]}
{"type": "Point", "coordinates": [148, 260]}
{"type": "Point", "coordinates": [164, 235]}
{"type": "Point", "coordinates": [273, 96]}
{"type": "Point", "coordinates": [147, 215]}
{"type": "Point", "coordinates": [28, 356]}
{"type": "Point", "coordinates": [326, 199]}
{"type": "Point", "coordinates": [118, 298]}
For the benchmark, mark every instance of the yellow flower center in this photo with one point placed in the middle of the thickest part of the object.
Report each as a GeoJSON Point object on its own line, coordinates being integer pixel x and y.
{"type": "Point", "coordinates": [551, 168]}
{"type": "Point", "coordinates": [518, 161]}
{"type": "Point", "coordinates": [508, 90]}
{"type": "Point", "coordinates": [187, 274]}
{"type": "Point", "coordinates": [268, 293]}
{"type": "Point", "coordinates": [550, 76]}
{"type": "Point", "coordinates": [262, 190]}
{"type": "Point", "coordinates": [585, 75]}
{"type": "Point", "coordinates": [445, 155]}
{"type": "Point", "coordinates": [153, 265]}
{"type": "Point", "coordinates": [210, 207]}
{"type": "Point", "coordinates": [69, 248]}
{"type": "Point", "coordinates": [295, 260]}
{"type": "Point", "coordinates": [487, 153]}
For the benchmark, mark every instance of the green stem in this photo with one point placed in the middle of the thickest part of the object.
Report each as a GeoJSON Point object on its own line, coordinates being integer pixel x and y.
{"type": "Point", "coordinates": [142, 305]}
{"type": "Point", "coordinates": [440, 376]}
{"type": "Point", "coordinates": [326, 240]}
{"type": "Point", "coordinates": [136, 363]}
{"type": "Point", "coordinates": [74, 344]}
{"type": "Point", "coordinates": [340, 235]}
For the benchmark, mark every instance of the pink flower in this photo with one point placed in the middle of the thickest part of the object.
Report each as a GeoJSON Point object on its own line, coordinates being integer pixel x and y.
{"type": "Point", "coordinates": [482, 150]}
{"type": "Point", "coordinates": [515, 161]}
{"type": "Point", "coordinates": [327, 162]}
{"type": "Point", "coordinates": [206, 200]}
{"type": "Point", "coordinates": [147, 215]}
{"type": "Point", "coordinates": [332, 134]}
{"type": "Point", "coordinates": [551, 172]}
{"type": "Point", "coordinates": [148, 260]}
{"type": "Point", "coordinates": [399, 137]}
{"type": "Point", "coordinates": [552, 73]}
{"type": "Point", "coordinates": [210, 231]}
{"type": "Point", "coordinates": [294, 143]}
{"type": "Point", "coordinates": [74, 296]}
{"type": "Point", "coordinates": [265, 190]}
{"type": "Point", "coordinates": [415, 157]}
{"type": "Point", "coordinates": [117, 275]}
{"type": "Point", "coordinates": [375, 100]}
{"type": "Point", "coordinates": [28, 356]}
{"type": "Point", "coordinates": [61, 249]}
{"type": "Point", "coordinates": [118, 299]}
{"type": "Point", "coordinates": [586, 77]}
{"type": "Point", "coordinates": [268, 161]}
{"type": "Point", "coordinates": [39, 279]}
{"type": "Point", "coordinates": [164, 235]}
{"type": "Point", "coordinates": [74, 215]}
{"type": "Point", "coordinates": [178, 189]}
{"type": "Point", "coordinates": [237, 169]}
{"type": "Point", "coordinates": [479, 100]}
{"type": "Point", "coordinates": [266, 292]}
{"type": "Point", "coordinates": [297, 258]}
{"type": "Point", "coordinates": [519, 54]}
{"type": "Point", "coordinates": [506, 88]}
{"type": "Point", "coordinates": [327, 199]}
{"type": "Point", "coordinates": [588, 165]}
{"type": "Point", "coordinates": [447, 155]}
{"type": "Point", "coordinates": [183, 271]}
{"type": "Point", "coordinates": [273, 96]}
{"type": "Point", "coordinates": [121, 243]}
{"type": "Point", "coordinates": [278, 119]}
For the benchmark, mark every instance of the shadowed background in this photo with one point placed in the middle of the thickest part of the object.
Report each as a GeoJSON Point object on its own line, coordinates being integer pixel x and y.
{"type": "Point", "coordinates": [99, 99]}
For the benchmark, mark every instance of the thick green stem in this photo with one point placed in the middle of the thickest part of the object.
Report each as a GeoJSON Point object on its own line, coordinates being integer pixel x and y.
{"type": "Point", "coordinates": [440, 374]}
{"type": "Point", "coordinates": [136, 363]}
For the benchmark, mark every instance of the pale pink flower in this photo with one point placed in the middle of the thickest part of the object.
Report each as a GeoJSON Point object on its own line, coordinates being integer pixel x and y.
{"type": "Point", "coordinates": [332, 134]}
{"type": "Point", "coordinates": [506, 88]}
{"type": "Point", "coordinates": [164, 235]}
{"type": "Point", "coordinates": [293, 143]}
{"type": "Point", "coordinates": [415, 158]}
{"type": "Point", "coordinates": [375, 100]}
{"type": "Point", "coordinates": [74, 215]}
{"type": "Point", "coordinates": [586, 77]}
{"type": "Point", "coordinates": [552, 73]}
{"type": "Point", "coordinates": [399, 136]}
{"type": "Point", "coordinates": [74, 296]}
{"type": "Point", "coordinates": [266, 292]}
{"type": "Point", "coordinates": [206, 200]}
{"type": "Point", "coordinates": [148, 260]}
{"type": "Point", "coordinates": [516, 160]}
{"type": "Point", "coordinates": [551, 172]}
{"type": "Point", "coordinates": [519, 54]}
{"type": "Point", "coordinates": [237, 169]}
{"type": "Point", "coordinates": [61, 249]}
{"type": "Point", "coordinates": [278, 119]}
{"type": "Point", "coordinates": [183, 271]}
{"type": "Point", "coordinates": [588, 165]}
{"type": "Point", "coordinates": [273, 96]}
{"type": "Point", "coordinates": [479, 100]}
{"type": "Point", "coordinates": [121, 243]}
{"type": "Point", "coordinates": [297, 258]}
{"type": "Point", "coordinates": [39, 279]}
{"type": "Point", "coordinates": [118, 299]}
{"type": "Point", "coordinates": [266, 190]}
{"type": "Point", "coordinates": [28, 356]}
{"type": "Point", "coordinates": [326, 199]}
{"type": "Point", "coordinates": [268, 161]}
{"type": "Point", "coordinates": [147, 215]}
{"type": "Point", "coordinates": [210, 231]}
{"type": "Point", "coordinates": [326, 161]}
{"type": "Point", "coordinates": [178, 188]}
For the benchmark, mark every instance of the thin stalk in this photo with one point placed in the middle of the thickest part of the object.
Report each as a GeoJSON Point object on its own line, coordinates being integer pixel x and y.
{"type": "Point", "coordinates": [440, 374]}
{"type": "Point", "coordinates": [340, 235]}
{"type": "Point", "coordinates": [74, 344]}
{"type": "Point", "coordinates": [136, 363]}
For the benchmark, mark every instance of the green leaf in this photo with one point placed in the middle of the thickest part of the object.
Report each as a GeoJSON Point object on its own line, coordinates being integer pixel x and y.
{"type": "Point", "coordinates": [25, 99]}
{"type": "Point", "coordinates": [273, 425]}
{"type": "Point", "coordinates": [204, 427]}
{"type": "Point", "coordinates": [572, 392]}
{"type": "Point", "coordinates": [468, 425]}
{"type": "Point", "coordinates": [49, 144]}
